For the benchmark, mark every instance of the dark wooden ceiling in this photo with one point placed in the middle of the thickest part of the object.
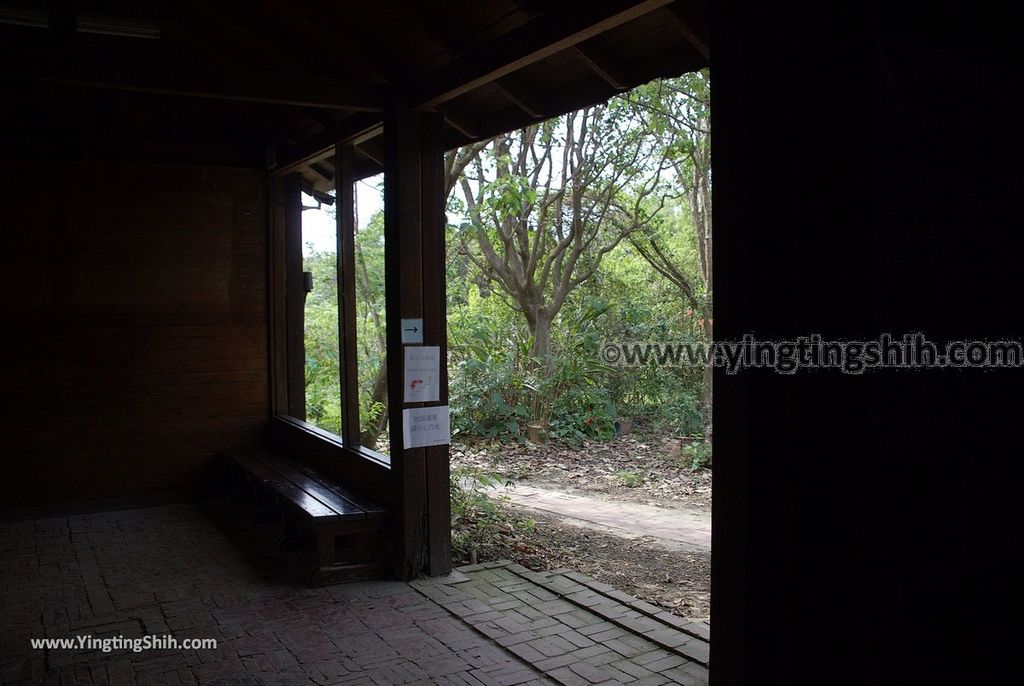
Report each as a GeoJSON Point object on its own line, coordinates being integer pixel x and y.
{"type": "Point", "coordinates": [275, 83]}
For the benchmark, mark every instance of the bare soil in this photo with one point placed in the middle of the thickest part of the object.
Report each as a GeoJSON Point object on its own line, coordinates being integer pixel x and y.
{"type": "Point", "coordinates": [647, 468]}
{"type": "Point", "coordinates": [679, 581]}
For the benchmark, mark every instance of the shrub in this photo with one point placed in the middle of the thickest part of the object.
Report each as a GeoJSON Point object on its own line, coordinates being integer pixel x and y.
{"type": "Point", "coordinates": [697, 454]}
{"type": "Point", "coordinates": [482, 526]}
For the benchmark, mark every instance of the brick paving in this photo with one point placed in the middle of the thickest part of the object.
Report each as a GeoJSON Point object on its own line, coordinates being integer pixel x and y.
{"type": "Point", "coordinates": [198, 571]}
{"type": "Point", "coordinates": [574, 629]}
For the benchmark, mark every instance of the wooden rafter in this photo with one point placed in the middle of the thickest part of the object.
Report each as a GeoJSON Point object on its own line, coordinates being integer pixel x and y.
{"type": "Point", "coordinates": [526, 45]}
{"type": "Point", "coordinates": [518, 98]}
{"type": "Point", "coordinates": [356, 129]}
{"type": "Point", "coordinates": [601, 67]}
{"type": "Point", "coordinates": [429, 26]}
{"type": "Point", "coordinates": [373, 149]}
{"type": "Point", "coordinates": [293, 31]}
{"type": "Point", "coordinates": [455, 47]}
{"type": "Point", "coordinates": [682, 22]}
{"type": "Point", "coordinates": [460, 123]}
{"type": "Point", "coordinates": [321, 171]}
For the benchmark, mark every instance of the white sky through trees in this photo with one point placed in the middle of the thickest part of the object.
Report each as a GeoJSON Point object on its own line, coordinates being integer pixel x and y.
{"type": "Point", "coordinates": [318, 226]}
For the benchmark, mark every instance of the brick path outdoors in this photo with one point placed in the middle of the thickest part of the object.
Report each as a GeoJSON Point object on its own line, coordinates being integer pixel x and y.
{"type": "Point", "coordinates": [196, 571]}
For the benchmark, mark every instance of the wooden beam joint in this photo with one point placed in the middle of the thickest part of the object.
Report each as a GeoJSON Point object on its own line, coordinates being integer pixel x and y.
{"type": "Point", "coordinates": [600, 66]}
{"type": "Point", "coordinates": [682, 23]}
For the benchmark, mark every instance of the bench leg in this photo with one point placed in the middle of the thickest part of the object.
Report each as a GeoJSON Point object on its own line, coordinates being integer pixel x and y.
{"type": "Point", "coordinates": [329, 571]}
{"type": "Point", "coordinates": [293, 535]}
{"type": "Point", "coordinates": [266, 508]}
{"type": "Point", "coordinates": [325, 546]}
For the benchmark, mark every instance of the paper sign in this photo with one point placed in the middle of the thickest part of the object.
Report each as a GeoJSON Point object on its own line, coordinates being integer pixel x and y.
{"type": "Point", "coordinates": [425, 426]}
{"type": "Point", "coordinates": [422, 373]}
{"type": "Point", "coordinates": [412, 330]}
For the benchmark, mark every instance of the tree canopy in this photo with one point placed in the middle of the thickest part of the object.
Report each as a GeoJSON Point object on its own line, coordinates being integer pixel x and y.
{"type": "Point", "coordinates": [590, 227]}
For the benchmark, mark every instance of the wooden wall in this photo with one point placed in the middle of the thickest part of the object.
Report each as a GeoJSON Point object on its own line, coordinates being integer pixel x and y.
{"type": "Point", "coordinates": [867, 528]}
{"type": "Point", "coordinates": [134, 345]}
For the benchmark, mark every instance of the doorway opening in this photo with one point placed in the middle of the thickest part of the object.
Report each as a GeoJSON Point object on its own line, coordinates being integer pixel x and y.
{"type": "Point", "coordinates": [579, 316]}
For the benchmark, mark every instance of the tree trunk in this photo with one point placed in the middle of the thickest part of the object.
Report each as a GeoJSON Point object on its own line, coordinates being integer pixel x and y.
{"type": "Point", "coordinates": [540, 351]}
{"type": "Point", "coordinates": [542, 339]}
{"type": "Point", "coordinates": [541, 363]}
{"type": "Point", "coordinates": [369, 434]}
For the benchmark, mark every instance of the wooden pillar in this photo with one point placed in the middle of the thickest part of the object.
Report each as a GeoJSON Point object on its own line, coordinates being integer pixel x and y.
{"type": "Point", "coordinates": [414, 284]}
{"type": "Point", "coordinates": [435, 332]}
{"type": "Point", "coordinates": [276, 315]}
{"type": "Point", "coordinates": [294, 296]}
{"type": "Point", "coordinates": [346, 275]}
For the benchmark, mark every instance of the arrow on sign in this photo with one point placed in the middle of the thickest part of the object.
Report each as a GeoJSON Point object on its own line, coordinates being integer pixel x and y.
{"type": "Point", "coordinates": [412, 330]}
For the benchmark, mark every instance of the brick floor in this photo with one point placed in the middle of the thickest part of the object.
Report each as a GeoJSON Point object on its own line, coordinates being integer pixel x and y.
{"type": "Point", "coordinates": [197, 571]}
{"type": "Point", "coordinates": [574, 629]}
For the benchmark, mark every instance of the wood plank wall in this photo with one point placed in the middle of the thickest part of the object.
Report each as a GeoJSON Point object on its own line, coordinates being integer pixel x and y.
{"type": "Point", "coordinates": [134, 327]}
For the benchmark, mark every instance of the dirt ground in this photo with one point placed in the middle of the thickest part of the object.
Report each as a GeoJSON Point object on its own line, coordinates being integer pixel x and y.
{"type": "Point", "coordinates": [647, 468]}
{"type": "Point", "coordinates": [634, 468]}
{"type": "Point", "coordinates": [679, 581]}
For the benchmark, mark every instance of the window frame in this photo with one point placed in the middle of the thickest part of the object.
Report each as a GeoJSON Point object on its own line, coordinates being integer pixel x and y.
{"type": "Point", "coordinates": [288, 417]}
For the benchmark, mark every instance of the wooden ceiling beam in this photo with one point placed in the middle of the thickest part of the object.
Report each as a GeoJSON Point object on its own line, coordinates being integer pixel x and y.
{"type": "Point", "coordinates": [530, 43]}
{"type": "Point", "coordinates": [454, 46]}
{"type": "Point", "coordinates": [682, 21]}
{"type": "Point", "coordinates": [517, 98]}
{"type": "Point", "coordinates": [356, 129]}
{"type": "Point", "coordinates": [429, 26]}
{"type": "Point", "coordinates": [460, 123]}
{"type": "Point", "coordinates": [373, 149]}
{"type": "Point", "coordinates": [583, 94]}
{"type": "Point", "coordinates": [63, 144]}
{"type": "Point", "coordinates": [295, 33]}
{"type": "Point", "coordinates": [275, 89]}
{"type": "Point", "coordinates": [600, 66]}
{"type": "Point", "coordinates": [322, 171]}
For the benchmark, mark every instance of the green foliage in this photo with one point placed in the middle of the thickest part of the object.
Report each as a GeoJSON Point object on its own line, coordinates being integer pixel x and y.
{"type": "Point", "coordinates": [697, 454]}
{"type": "Point", "coordinates": [484, 397]}
{"type": "Point", "coordinates": [582, 405]}
{"type": "Point", "coordinates": [481, 524]}
{"type": "Point", "coordinates": [495, 391]}
{"type": "Point", "coordinates": [497, 380]}
{"type": "Point", "coordinates": [371, 327]}
{"type": "Point", "coordinates": [323, 395]}
{"type": "Point", "coordinates": [630, 479]}
{"type": "Point", "coordinates": [488, 351]}
{"type": "Point", "coordinates": [684, 412]}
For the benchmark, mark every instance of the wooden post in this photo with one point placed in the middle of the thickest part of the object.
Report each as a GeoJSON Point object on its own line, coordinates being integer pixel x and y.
{"type": "Point", "coordinates": [276, 301]}
{"type": "Point", "coordinates": [414, 268]}
{"type": "Point", "coordinates": [348, 364]}
{"type": "Point", "coordinates": [294, 296]}
{"type": "Point", "coordinates": [435, 332]}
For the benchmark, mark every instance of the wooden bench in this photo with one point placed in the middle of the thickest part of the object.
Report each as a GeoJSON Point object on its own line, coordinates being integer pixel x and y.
{"type": "Point", "coordinates": [345, 526]}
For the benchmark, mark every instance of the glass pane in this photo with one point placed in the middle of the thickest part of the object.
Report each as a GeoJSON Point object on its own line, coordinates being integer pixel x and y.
{"type": "Point", "coordinates": [319, 262]}
{"type": "Point", "coordinates": [371, 321]}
